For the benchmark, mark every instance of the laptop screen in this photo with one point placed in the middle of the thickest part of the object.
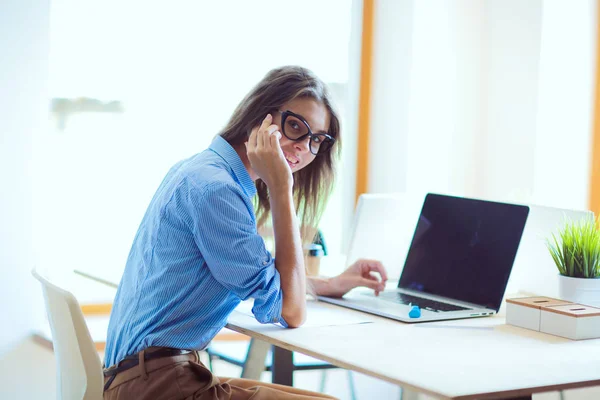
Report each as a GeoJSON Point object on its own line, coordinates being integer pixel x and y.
{"type": "Point", "coordinates": [464, 249]}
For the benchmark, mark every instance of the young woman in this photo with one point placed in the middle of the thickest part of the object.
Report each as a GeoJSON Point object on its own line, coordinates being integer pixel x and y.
{"type": "Point", "coordinates": [197, 252]}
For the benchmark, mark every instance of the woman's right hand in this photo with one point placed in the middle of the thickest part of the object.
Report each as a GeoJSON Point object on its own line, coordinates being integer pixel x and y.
{"type": "Point", "coordinates": [267, 158]}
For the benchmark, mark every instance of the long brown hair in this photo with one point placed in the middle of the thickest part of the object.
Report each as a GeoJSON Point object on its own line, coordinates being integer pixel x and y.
{"type": "Point", "coordinates": [312, 184]}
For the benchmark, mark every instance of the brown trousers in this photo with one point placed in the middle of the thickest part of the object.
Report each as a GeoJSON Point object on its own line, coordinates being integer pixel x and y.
{"type": "Point", "coordinates": [184, 377]}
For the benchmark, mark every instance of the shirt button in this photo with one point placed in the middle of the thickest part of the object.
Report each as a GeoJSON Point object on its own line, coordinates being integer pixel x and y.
{"type": "Point", "coordinates": [265, 263]}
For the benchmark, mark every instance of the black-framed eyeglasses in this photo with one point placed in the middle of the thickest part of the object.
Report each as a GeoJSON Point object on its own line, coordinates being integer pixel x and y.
{"type": "Point", "coordinates": [295, 127]}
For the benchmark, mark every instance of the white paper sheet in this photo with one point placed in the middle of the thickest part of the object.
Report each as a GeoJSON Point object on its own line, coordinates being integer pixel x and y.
{"type": "Point", "coordinates": [319, 314]}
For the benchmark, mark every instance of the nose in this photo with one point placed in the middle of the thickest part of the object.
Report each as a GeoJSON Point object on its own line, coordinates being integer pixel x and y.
{"type": "Point", "coordinates": [303, 145]}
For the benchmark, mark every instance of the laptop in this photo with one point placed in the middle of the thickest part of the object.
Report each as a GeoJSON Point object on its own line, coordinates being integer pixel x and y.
{"type": "Point", "coordinates": [458, 263]}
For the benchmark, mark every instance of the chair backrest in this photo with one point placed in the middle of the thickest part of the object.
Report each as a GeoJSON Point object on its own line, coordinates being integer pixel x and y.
{"type": "Point", "coordinates": [383, 228]}
{"type": "Point", "coordinates": [534, 270]}
{"type": "Point", "coordinates": [79, 369]}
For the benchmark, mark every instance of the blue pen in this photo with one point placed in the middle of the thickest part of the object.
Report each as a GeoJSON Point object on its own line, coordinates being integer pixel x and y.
{"type": "Point", "coordinates": [415, 311]}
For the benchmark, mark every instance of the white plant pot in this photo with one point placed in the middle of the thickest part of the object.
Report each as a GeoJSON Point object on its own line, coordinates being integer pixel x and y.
{"type": "Point", "coordinates": [579, 290]}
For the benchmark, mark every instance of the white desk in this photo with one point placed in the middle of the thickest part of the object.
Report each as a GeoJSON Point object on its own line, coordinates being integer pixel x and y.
{"type": "Point", "coordinates": [479, 358]}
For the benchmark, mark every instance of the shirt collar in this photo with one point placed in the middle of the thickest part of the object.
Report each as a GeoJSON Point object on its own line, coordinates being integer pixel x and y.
{"type": "Point", "coordinates": [224, 149]}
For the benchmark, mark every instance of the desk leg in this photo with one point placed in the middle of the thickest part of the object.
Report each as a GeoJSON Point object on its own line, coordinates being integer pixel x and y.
{"type": "Point", "coordinates": [408, 394]}
{"type": "Point", "coordinates": [255, 359]}
{"type": "Point", "coordinates": [283, 366]}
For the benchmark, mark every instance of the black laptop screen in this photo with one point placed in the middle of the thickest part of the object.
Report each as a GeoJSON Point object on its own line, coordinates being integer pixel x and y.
{"type": "Point", "coordinates": [464, 249]}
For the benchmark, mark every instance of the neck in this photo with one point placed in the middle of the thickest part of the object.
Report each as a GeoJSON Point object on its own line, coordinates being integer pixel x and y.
{"type": "Point", "coordinates": [240, 149]}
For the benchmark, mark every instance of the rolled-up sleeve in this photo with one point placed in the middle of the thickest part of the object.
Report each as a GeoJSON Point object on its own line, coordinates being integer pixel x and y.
{"type": "Point", "coordinates": [224, 228]}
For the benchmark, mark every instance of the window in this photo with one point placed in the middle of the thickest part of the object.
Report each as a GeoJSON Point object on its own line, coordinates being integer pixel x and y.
{"type": "Point", "coordinates": [137, 86]}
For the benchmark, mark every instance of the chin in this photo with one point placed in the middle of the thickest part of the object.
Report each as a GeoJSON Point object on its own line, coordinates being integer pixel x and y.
{"type": "Point", "coordinates": [298, 168]}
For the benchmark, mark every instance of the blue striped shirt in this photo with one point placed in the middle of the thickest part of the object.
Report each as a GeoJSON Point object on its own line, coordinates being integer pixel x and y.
{"type": "Point", "coordinates": [195, 256]}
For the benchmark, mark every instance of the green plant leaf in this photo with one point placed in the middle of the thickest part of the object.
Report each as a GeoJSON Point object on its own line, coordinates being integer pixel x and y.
{"type": "Point", "coordinates": [576, 250]}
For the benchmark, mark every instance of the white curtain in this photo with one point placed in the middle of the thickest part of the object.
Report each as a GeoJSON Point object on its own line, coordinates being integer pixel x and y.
{"type": "Point", "coordinates": [489, 98]}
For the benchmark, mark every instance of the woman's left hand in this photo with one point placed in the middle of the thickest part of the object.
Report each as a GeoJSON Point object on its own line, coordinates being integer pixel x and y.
{"type": "Point", "coordinates": [359, 274]}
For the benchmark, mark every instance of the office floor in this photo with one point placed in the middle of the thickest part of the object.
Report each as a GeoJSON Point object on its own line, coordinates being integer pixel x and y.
{"type": "Point", "coordinates": [28, 372]}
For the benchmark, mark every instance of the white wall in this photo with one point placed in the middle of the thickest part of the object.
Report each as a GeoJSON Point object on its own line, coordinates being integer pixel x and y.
{"type": "Point", "coordinates": [471, 84]}
{"type": "Point", "coordinates": [513, 31]}
{"type": "Point", "coordinates": [23, 110]}
{"type": "Point", "coordinates": [392, 52]}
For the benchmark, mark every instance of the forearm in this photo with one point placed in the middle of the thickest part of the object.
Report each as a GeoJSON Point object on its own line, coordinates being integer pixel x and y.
{"type": "Point", "coordinates": [321, 286]}
{"type": "Point", "coordinates": [289, 260]}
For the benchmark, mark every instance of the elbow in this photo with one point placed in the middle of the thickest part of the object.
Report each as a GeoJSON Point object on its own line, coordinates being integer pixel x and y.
{"type": "Point", "coordinates": [295, 322]}
{"type": "Point", "coordinates": [294, 318]}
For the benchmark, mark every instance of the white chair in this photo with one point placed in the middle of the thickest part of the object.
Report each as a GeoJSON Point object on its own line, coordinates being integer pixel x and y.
{"type": "Point", "coordinates": [79, 369]}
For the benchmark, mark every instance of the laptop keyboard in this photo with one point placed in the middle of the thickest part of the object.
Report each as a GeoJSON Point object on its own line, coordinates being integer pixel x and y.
{"type": "Point", "coordinates": [425, 304]}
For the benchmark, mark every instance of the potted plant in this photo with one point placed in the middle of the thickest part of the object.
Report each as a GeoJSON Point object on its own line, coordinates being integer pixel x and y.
{"type": "Point", "coordinates": [576, 253]}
